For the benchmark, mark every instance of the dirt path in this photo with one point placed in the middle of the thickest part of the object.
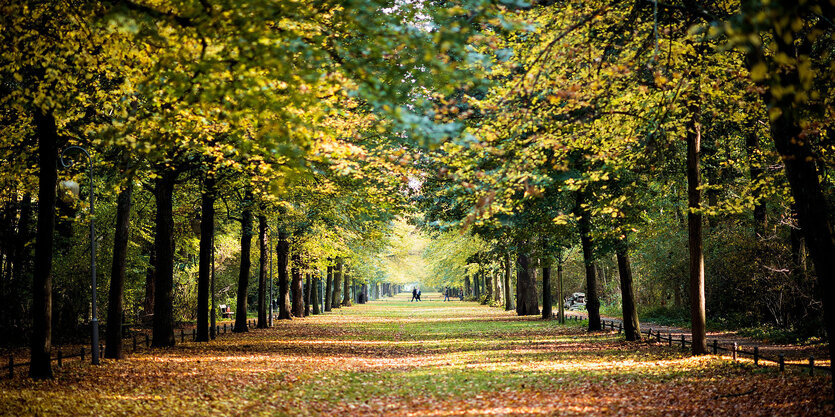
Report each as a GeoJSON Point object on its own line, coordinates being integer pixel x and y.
{"type": "Point", "coordinates": [396, 358]}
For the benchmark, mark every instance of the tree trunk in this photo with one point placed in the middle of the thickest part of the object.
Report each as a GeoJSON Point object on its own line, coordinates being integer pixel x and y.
{"type": "Point", "coordinates": [560, 290]}
{"type": "Point", "coordinates": [282, 250]}
{"type": "Point", "coordinates": [316, 296]}
{"type": "Point", "coordinates": [592, 300]}
{"type": "Point", "coordinates": [329, 287]}
{"type": "Point", "coordinates": [246, 264]}
{"type": "Point", "coordinates": [508, 298]}
{"type": "Point", "coordinates": [527, 302]}
{"type": "Point", "coordinates": [263, 264]}
{"type": "Point", "coordinates": [298, 291]}
{"type": "Point", "coordinates": [337, 283]}
{"type": "Point", "coordinates": [113, 332]}
{"type": "Point", "coordinates": [694, 227]}
{"type": "Point", "coordinates": [163, 333]}
{"type": "Point", "coordinates": [150, 284]}
{"type": "Point", "coordinates": [207, 230]}
{"type": "Point", "coordinates": [346, 291]}
{"type": "Point", "coordinates": [488, 287]}
{"type": "Point", "coordinates": [631, 325]}
{"type": "Point", "coordinates": [40, 366]}
{"type": "Point", "coordinates": [308, 293]}
{"type": "Point", "coordinates": [547, 302]}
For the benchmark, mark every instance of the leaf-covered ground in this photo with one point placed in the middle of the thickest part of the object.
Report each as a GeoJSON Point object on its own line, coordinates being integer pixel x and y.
{"type": "Point", "coordinates": [418, 359]}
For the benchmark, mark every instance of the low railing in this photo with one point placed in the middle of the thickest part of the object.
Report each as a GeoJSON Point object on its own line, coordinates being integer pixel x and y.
{"type": "Point", "coordinates": [138, 340]}
{"type": "Point", "coordinates": [716, 347]}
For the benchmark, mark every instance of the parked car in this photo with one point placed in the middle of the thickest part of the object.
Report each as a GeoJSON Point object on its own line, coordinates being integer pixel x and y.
{"type": "Point", "coordinates": [576, 301]}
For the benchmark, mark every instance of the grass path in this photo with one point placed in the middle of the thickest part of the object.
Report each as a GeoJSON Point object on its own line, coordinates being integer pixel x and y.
{"type": "Point", "coordinates": [418, 359]}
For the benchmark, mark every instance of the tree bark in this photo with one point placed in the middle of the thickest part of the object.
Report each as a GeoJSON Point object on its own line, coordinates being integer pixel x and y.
{"type": "Point", "coordinates": [631, 325]}
{"type": "Point", "coordinates": [346, 291]}
{"type": "Point", "coordinates": [315, 297]}
{"type": "Point", "coordinates": [163, 332]}
{"type": "Point", "coordinates": [263, 270]}
{"type": "Point", "coordinates": [329, 287]}
{"type": "Point", "coordinates": [527, 302]}
{"type": "Point", "coordinates": [308, 292]}
{"type": "Point", "coordinates": [298, 291]}
{"type": "Point", "coordinates": [547, 302]}
{"type": "Point", "coordinates": [560, 290]}
{"type": "Point", "coordinates": [508, 299]}
{"type": "Point", "coordinates": [488, 287]}
{"type": "Point", "coordinates": [113, 332]}
{"type": "Point", "coordinates": [282, 259]}
{"type": "Point", "coordinates": [694, 227]}
{"type": "Point", "coordinates": [337, 283]}
{"type": "Point", "coordinates": [246, 264]}
{"type": "Point", "coordinates": [207, 230]}
{"type": "Point", "coordinates": [40, 366]}
{"type": "Point", "coordinates": [592, 300]}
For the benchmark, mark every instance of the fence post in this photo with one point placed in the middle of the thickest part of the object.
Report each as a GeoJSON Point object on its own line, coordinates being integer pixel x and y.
{"type": "Point", "coordinates": [781, 359]}
{"type": "Point", "coordinates": [735, 346]}
{"type": "Point", "coordinates": [670, 337]}
{"type": "Point", "coordinates": [683, 345]}
{"type": "Point", "coordinates": [715, 346]}
{"type": "Point", "coordinates": [182, 336]}
{"type": "Point", "coordinates": [620, 328]}
{"type": "Point", "coordinates": [811, 365]}
{"type": "Point", "coordinates": [11, 366]}
{"type": "Point", "coordinates": [756, 356]}
{"type": "Point", "coordinates": [60, 358]}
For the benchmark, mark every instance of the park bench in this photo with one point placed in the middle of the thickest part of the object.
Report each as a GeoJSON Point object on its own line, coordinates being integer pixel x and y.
{"type": "Point", "coordinates": [226, 312]}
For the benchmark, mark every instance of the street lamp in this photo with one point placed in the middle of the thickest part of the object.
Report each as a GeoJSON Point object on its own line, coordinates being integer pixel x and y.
{"type": "Point", "coordinates": [73, 187]}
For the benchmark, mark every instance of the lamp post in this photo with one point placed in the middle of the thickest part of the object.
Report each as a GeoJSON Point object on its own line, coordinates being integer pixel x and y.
{"type": "Point", "coordinates": [270, 254]}
{"type": "Point", "coordinates": [94, 323]}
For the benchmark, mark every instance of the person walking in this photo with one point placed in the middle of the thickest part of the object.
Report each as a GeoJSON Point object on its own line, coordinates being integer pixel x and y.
{"type": "Point", "coordinates": [418, 295]}
{"type": "Point", "coordinates": [446, 294]}
{"type": "Point", "coordinates": [415, 295]}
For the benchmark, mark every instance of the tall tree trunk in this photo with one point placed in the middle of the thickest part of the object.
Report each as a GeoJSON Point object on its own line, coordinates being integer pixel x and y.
{"type": "Point", "coordinates": [329, 286]}
{"type": "Point", "coordinates": [298, 291]}
{"type": "Point", "coordinates": [560, 289]}
{"type": "Point", "coordinates": [337, 283]}
{"type": "Point", "coordinates": [308, 293]}
{"type": "Point", "coordinates": [113, 332]}
{"type": "Point", "coordinates": [477, 286]}
{"type": "Point", "coordinates": [346, 279]}
{"type": "Point", "coordinates": [282, 257]}
{"type": "Point", "coordinates": [207, 230]}
{"type": "Point", "coordinates": [315, 298]}
{"type": "Point", "coordinates": [246, 264]}
{"type": "Point", "coordinates": [694, 226]}
{"type": "Point", "coordinates": [592, 300]}
{"type": "Point", "coordinates": [488, 287]}
{"type": "Point", "coordinates": [547, 302]}
{"type": "Point", "coordinates": [263, 264]}
{"type": "Point", "coordinates": [40, 366]}
{"type": "Point", "coordinates": [508, 298]}
{"type": "Point", "coordinates": [527, 301]}
{"type": "Point", "coordinates": [164, 271]}
{"type": "Point", "coordinates": [631, 325]}
{"type": "Point", "coordinates": [468, 288]}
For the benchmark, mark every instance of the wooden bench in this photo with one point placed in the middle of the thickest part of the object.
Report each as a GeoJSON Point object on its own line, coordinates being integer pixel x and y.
{"type": "Point", "coordinates": [226, 312]}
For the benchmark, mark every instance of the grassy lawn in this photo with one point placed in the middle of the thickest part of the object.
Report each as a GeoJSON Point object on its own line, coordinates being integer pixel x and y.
{"type": "Point", "coordinates": [423, 359]}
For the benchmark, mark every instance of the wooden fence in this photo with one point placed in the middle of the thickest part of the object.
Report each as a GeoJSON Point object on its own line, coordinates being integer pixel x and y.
{"type": "Point", "coordinates": [137, 341]}
{"type": "Point", "coordinates": [734, 348]}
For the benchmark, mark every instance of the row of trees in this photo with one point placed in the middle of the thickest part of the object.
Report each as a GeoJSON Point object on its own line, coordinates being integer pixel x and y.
{"type": "Point", "coordinates": [650, 132]}
{"type": "Point", "coordinates": [210, 123]}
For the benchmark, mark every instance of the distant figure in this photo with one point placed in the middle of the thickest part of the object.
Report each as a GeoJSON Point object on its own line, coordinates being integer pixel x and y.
{"type": "Point", "coordinates": [415, 295]}
{"type": "Point", "coordinates": [418, 295]}
{"type": "Point", "coordinates": [446, 294]}
{"type": "Point", "coordinates": [461, 295]}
